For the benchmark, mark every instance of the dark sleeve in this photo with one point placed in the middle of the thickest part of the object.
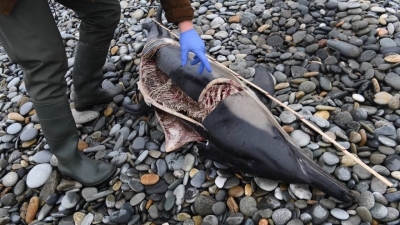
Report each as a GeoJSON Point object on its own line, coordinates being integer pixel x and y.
{"type": "Point", "coordinates": [6, 6]}
{"type": "Point", "coordinates": [177, 11]}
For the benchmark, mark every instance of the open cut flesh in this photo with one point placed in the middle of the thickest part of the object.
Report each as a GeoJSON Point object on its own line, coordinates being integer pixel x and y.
{"type": "Point", "coordinates": [158, 90]}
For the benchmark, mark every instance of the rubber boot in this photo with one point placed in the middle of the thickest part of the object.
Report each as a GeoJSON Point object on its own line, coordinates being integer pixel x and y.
{"type": "Point", "coordinates": [61, 134]}
{"type": "Point", "coordinates": [88, 77]}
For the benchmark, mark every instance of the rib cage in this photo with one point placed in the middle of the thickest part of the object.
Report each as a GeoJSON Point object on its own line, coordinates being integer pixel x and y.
{"type": "Point", "coordinates": [162, 90]}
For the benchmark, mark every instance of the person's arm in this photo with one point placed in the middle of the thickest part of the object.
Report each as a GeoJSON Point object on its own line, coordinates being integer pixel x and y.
{"type": "Point", "coordinates": [177, 11]}
{"type": "Point", "coordinates": [185, 26]}
{"type": "Point", "coordinates": [6, 6]}
{"type": "Point", "coordinates": [181, 13]}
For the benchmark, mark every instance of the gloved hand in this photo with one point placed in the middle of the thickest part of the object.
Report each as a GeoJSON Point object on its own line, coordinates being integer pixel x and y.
{"type": "Point", "coordinates": [190, 41]}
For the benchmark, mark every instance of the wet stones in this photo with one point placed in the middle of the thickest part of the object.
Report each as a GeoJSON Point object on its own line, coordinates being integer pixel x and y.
{"type": "Point", "coordinates": [274, 40]}
{"type": "Point", "coordinates": [38, 175]}
{"type": "Point", "coordinates": [248, 206]}
{"type": "Point", "coordinates": [29, 134]}
{"type": "Point", "coordinates": [149, 179]}
{"type": "Point", "coordinates": [32, 209]}
{"type": "Point", "coordinates": [300, 137]}
{"type": "Point", "coordinates": [69, 200]}
{"type": "Point", "coordinates": [319, 213]}
{"type": "Point", "coordinates": [333, 60]}
{"type": "Point", "coordinates": [14, 128]}
{"type": "Point", "coordinates": [203, 205]}
{"type": "Point", "coordinates": [10, 179]}
{"type": "Point", "coordinates": [344, 48]}
{"type": "Point", "coordinates": [393, 80]}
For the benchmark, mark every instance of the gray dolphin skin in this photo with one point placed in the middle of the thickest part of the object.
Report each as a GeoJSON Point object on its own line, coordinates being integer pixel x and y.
{"type": "Point", "coordinates": [230, 122]}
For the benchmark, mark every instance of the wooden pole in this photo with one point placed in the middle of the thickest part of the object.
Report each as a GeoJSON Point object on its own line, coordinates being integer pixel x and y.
{"type": "Point", "coordinates": [343, 149]}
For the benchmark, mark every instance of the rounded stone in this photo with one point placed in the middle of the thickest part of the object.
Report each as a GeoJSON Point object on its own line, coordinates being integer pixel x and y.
{"type": "Point", "coordinates": [14, 128]}
{"type": "Point", "coordinates": [198, 179]}
{"type": "Point", "coordinates": [138, 198]}
{"type": "Point", "coordinates": [29, 134]}
{"type": "Point", "coordinates": [70, 200]}
{"type": "Point", "coordinates": [248, 205]}
{"type": "Point", "coordinates": [343, 173]}
{"type": "Point", "coordinates": [43, 156]}
{"type": "Point", "coordinates": [266, 184]}
{"type": "Point", "coordinates": [38, 175]}
{"type": "Point", "coordinates": [149, 179]}
{"type": "Point", "coordinates": [235, 219]}
{"type": "Point", "coordinates": [358, 97]}
{"type": "Point", "coordinates": [300, 137]}
{"type": "Point", "coordinates": [10, 179]}
{"type": "Point", "coordinates": [387, 42]}
{"type": "Point", "coordinates": [319, 214]}
{"type": "Point", "coordinates": [203, 205]}
{"type": "Point", "coordinates": [287, 117]}
{"type": "Point", "coordinates": [26, 108]}
{"type": "Point", "coordinates": [210, 220]}
{"type": "Point", "coordinates": [301, 191]}
{"type": "Point", "coordinates": [339, 214]}
{"type": "Point", "coordinates": [236, 191]}
{"type": "Point", "coordinates": [361, 172]}
{"type": "Point", "coordinates": [219, 208]}
{"type": "Point", "coordinates": [188, 163]}
{"type": "Point", "coordinates": [382, 98]}
{"type": "Point", "coordinates": [379, 211]}
{"type": "Point", "coordinates": [364, 214]}
{"type": "Point", "coordinates": [307, 87]}
{"type": "Point", "coordinates": [281, 216]}
{"type": "Point", "coordinates": [8, 199]}
{"type": "Point", "coordinates": [330, 158]}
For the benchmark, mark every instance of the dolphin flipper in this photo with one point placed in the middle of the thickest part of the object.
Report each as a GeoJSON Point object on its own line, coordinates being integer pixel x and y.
{"type": "Point", "coordinates": [263, 79]}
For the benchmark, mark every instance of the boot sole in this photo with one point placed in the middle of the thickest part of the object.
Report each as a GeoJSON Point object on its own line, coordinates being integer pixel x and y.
{"type": "Point", "coordinates": [83, 108]}
{"type": "Point", "coordinates": [67, 177]}
{"type": "Point", "coordinates": [89, 107]}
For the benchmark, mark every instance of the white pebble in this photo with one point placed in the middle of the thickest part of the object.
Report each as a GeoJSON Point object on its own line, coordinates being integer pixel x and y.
{"type": "Point", "coordinates": [302, 191]}
{"type": "Point", "coordinates": [358, 97]}
{"type": "Point", "coordinates": [278, 193]}
{"type": "Point", "coordinates": [220, 181]}
{"type": "Point", "coordinates": [38, 175]}
{"type": "Point", "coordinates": [10, 179]}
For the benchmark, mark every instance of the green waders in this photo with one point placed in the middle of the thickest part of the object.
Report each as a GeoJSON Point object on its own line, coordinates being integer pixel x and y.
{"type": "Point", "coordinates": [31, 39]}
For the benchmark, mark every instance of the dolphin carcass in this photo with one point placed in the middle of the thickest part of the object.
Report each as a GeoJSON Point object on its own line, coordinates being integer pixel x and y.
{"type": "Point", "coordinates": [229, 122]}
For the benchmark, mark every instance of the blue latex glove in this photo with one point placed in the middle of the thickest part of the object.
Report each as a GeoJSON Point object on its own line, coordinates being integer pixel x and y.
{"type": "Point", "coordinates": [190, 41]}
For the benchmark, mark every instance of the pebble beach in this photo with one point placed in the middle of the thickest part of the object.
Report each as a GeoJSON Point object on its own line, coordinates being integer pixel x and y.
{"type": "Point", "coordinates": [336, 63]}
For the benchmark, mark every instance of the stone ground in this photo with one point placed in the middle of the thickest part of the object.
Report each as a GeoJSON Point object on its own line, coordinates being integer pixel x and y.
{"type": "Point", "coordinates": [334, 62]}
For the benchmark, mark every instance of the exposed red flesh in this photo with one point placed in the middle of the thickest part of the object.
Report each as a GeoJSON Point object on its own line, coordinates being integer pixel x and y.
{"type": "Point", "coordinates": [159, 87]}
{"type": "Point", "coordinates": [177, 133]}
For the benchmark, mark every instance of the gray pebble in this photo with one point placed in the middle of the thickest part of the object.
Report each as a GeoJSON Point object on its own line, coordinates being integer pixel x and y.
{"type": "Point", "coordinates": [10, 179]}
{"type": "Point", "coordinates": [198, 179]}
{"type": "Point", "coordinates": [29, 134]}
{"type": "Point", "coordinates": [281, 216]}
{"type": "Point", "coordinates": [379, 211]}
{"type": "Point", "coordinates": [38, 175]}
{"type": "Point", "coordinates": [248, 206]}
{"type": "Point", "coordinates": [339, 214]}
{"type": "Point", "coordinates": [14, 128]}
{"type": "Point", "coordinates": [43, 156]}
{"type": "Point", "coordinates": [219, 208]}
{"type": "Point", "coordinates": [70, 200]}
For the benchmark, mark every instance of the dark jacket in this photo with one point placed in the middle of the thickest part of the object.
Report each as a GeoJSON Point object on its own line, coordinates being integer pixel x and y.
{"type": "Point", "coordinates": [6, 6]}
{"type": "Point", "coordinates": [175, 10]}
